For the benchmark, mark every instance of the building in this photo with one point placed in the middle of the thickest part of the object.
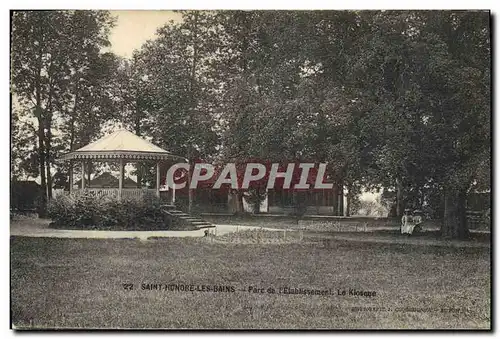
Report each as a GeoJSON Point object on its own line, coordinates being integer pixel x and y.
{"type": "Point", "coordinates": [107, 180]}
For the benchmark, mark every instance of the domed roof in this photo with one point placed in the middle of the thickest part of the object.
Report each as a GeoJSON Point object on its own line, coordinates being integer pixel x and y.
{"type": "Point", "coordinates": [120, 144]}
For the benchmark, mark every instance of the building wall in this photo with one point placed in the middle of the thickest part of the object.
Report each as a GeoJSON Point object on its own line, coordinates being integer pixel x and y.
{"type": "Point", "coordinates": [317, 202]}
{"type": "Point", "coordinates": [205, 202]}
{"type": "Point", "coordinates": [311, 210]}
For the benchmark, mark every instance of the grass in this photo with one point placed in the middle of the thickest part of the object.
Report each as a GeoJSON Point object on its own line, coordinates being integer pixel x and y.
{"type": "Point", "coordinates": [249, 220]}
{"type": "Point", "coordinates": [257, 236]}
{"type": "Point", "coordinates": [324, 223]}
{"type": "Point", "coordinates": [76, 283]}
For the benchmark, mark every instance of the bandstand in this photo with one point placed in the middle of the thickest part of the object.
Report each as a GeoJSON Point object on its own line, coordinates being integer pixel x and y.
{"type": "Point", "coordinates": [122, 147]}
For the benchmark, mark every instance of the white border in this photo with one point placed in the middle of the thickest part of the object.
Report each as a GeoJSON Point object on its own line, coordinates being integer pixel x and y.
{"type": "Point", "coordinates": [181, 4]}
{"type": "Point", "coordinates": [246, 4]}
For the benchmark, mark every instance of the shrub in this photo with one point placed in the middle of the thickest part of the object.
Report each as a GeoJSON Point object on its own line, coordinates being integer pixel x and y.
{"type": "Point", "coordinates": [299, 204]}
{"type": "Point", "coordinates": [255, 196]}
{"type": "Point", "coordinates": [486, 218]}
{"type": "Point", "coordinates": [89, 211]}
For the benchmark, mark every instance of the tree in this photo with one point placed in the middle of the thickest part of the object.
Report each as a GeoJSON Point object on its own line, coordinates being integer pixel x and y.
{"type": "Point", "coordinates": [49, 48]}
{"type": "Point", "coordinates": [89, 98]}
{"type": "Point", "coordinates": [33, 64]}
{"type": "Point", "coordinates": [462, 120]}
{"type": "Point", "coordinates": [24, 158]}
{"type": "Point", "coordinates": [397, 100]}
{"type": "Point", "coordinates": [418, 66]}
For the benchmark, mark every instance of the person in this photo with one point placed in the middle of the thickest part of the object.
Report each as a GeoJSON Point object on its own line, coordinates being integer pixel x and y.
{"type": "Point", "coordinates": [406, 222]}
{"type": "Point", "coordinates": [417, 220]}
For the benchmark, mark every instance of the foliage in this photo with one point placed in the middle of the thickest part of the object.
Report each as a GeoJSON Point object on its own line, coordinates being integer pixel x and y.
{"type": "Point", "coordinates": [255, 196]}
{"type": "Point", "coordinates": [24, 195]}
{"type": "Point", "coordinates": [88, 211]}
{"type": "Point", "coordinates": [389, 99]}
{"type": "Point", "coordinates": [24, 160]}
{"type": "Point", "coordinates": [59, 78]}
{"type": "Point", "coordinates": [372, 208]}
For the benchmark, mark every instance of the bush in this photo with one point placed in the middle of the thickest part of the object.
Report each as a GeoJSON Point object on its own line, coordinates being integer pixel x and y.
{"type": "Point", "coordinates": [299, 204]}
{"type": "Point", "coordinates": [89, 211]}
{"type": "Point", "coordinates": [255, 196]}
{"type": "Point", "coordinates": [486, 218]}
{"type": "Point", "coordinates": [24, 195]}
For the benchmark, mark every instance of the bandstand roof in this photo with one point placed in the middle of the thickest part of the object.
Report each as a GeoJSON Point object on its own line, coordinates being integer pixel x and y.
{"type": "Point", "coordinates": [121, 144]}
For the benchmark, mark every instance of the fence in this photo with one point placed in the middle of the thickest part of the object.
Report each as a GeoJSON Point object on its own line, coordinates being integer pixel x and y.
{"type": "Point", "coordinates": [113, 192]}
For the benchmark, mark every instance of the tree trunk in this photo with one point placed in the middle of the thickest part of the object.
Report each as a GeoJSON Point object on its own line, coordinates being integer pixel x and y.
{"type": "Point", "coordinates": [245, 44]}
{"type": "Point", "coordinates": [49, 178]}
{"type": "Point", "coordinates": [258, 201]}
{"type": "Point", "coordinates": [190, 192]}
{"type": "Point", "coordinates": [239, 202]}
{"type": "Point", "coordinates": [48, 142]}
{"type": "Point", "coordinates": [138, 168]}
{"type": "Point", "coordinates": [48, 136]}
{"type": "Point", "coordinates": [72, 121]}
{"type": "Point", "coordinates": [39, 114]}
{"type": "Point", "coordinates": [348, 201]}
{"type": "Point", "coordinates": [89, 167]}
{"type": "Point", "coordinates": [192, 85]}
{"type": "Point", "coordinates": [256, 208]}
{"type": "Point", "coordinates": [194, 63]}
{"type": "Point", "coordinates": [455, 217]}
{"type": "Point", "coordinates": [42, 206]}
{"type": "Point", "coordinates": [138, 133]}
{"type": "Point", "coordinates": [232, 202]}
{"type": "Point", "coordinates": [195, 55]}
{"type": "Point", "coordinates": [335, 200]}
{"type": "Point", "coordinates": [341, 198]}
{"type": "Point", "coordinates": [399, 198]}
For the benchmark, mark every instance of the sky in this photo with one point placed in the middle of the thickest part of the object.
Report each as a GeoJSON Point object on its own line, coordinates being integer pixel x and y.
{"type": "Point", "coordinates": [134, 28]}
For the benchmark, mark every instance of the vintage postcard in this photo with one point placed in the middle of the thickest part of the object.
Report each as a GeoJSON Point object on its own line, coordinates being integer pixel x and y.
{"type": "Point", "coordinates": [258, 169]}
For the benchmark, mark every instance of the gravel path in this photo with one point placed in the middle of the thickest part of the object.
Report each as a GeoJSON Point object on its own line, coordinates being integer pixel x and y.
{"type": "Point", "coordinates": [40, 228]}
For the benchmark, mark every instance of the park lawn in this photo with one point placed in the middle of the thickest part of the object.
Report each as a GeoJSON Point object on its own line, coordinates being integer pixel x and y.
{"type": "Point", "coordinates": [77, 283]}
{"type": "Point", "coordinates": [323, 223]}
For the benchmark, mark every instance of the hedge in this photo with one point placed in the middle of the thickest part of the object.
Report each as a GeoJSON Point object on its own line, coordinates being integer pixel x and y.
{"type": "Point", "coordinates": [86, 210]}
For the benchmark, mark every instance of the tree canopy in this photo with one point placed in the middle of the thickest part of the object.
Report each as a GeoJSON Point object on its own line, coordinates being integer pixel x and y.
{"type": "Point", "coordinates": [398, 100]}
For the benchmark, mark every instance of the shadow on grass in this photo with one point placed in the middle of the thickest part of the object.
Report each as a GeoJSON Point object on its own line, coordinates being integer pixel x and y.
{"type": "Point", "coordinates": [483, 238]}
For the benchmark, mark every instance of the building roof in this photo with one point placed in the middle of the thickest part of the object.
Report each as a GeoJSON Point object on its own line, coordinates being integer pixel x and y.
{"type": "Point", "coordinates": [25, 184]}
{"type": "Point", "coordinates": [120, 144]}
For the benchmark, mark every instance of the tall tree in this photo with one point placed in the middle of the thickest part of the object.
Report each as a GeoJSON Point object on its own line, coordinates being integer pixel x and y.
{"type": "Point", "coordinates": [49, 50]}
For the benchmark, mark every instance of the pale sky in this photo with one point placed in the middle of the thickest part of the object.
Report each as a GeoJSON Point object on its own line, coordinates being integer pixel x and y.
{"type": "Point", "coordinates": [133, 28]}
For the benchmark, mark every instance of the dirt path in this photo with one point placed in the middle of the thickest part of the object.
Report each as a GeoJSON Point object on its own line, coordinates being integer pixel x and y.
{"type": "Point", "coordinates": [40, 228]}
